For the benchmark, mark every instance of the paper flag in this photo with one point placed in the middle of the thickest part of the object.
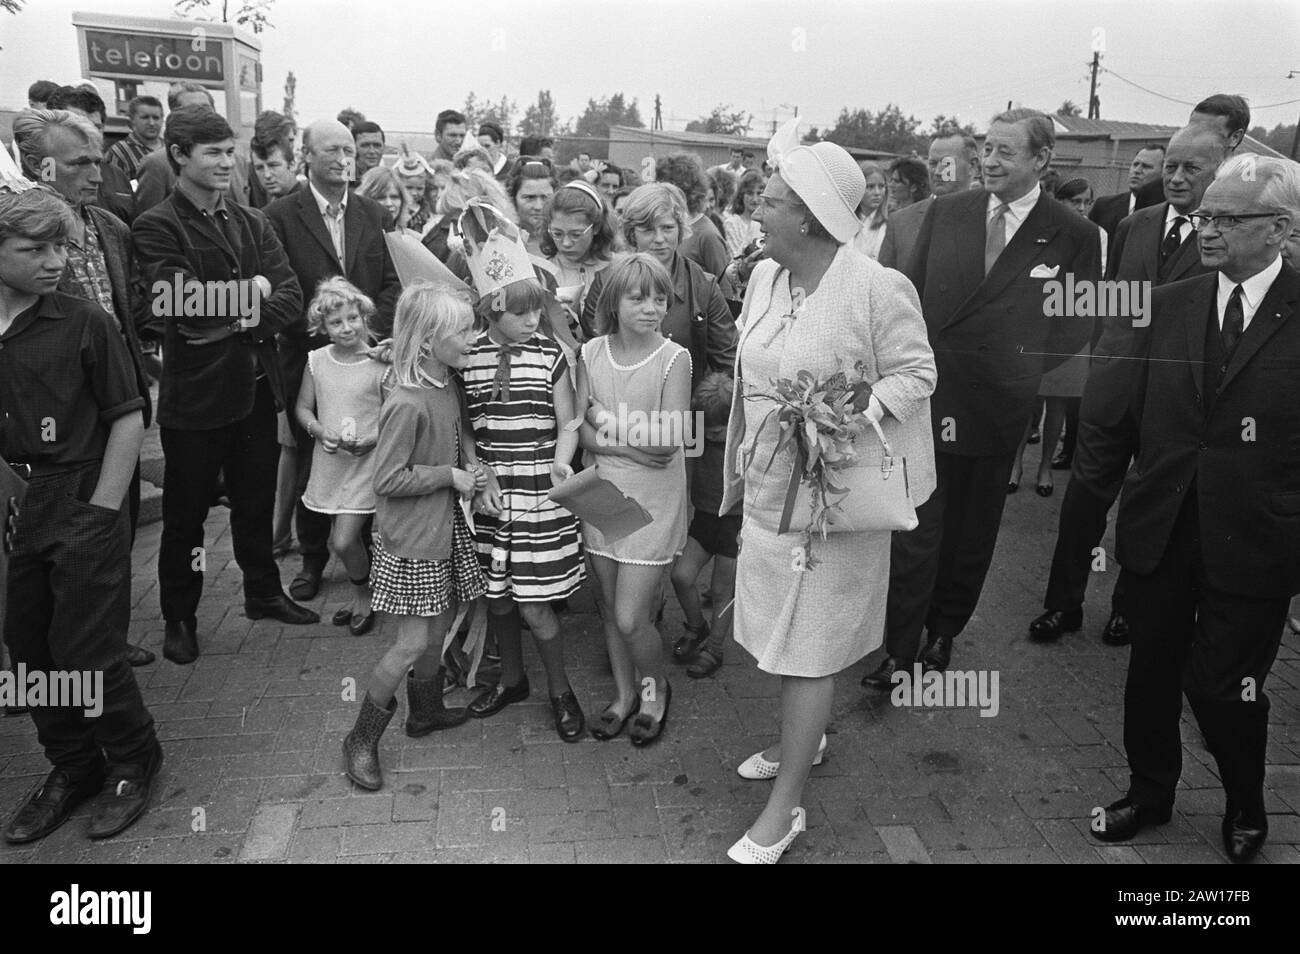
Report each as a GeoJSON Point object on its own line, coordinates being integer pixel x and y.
{"type": "Point", "coordinates": [414, 262]}
{"type": "Point", "coordinates": [597, 501]}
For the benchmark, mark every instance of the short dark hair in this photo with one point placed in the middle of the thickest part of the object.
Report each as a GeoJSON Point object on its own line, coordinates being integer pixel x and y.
{"type": "Point", "coordinates": [1151, 146]}
{"type": "Point", "coordinates": [1038, 126]}
{"type": "Point", "coordinates": [366, 127]}
{"type": "Point", "coordinates": [686, 171]}
{"type": "Point", "coordinates": [272, 130]}
{"type": "Point", "coordinates": [492, 129]}
{"type": "Point", "coordinates": [1072, 188]}
{"type": "Point", "coordinates": [134, 105]}
{"type": "Point", "coordinates": [192, 126]}
{"type": "Point", "coordinates": [530, 167]}
{"type": "Point", "coordinates": [41, 90]}
{"type": "Point", "coordinates": [79, 98]}
{"type": "Point", "coordinates": [613, 171]}
{"type": "Point", "coordinates": [1228, 105]}
{"type": "Point", "coordinates": [533, 145]}
{"type": "Point", "coordinates": [751, 178]}
{"type": "Point", "coordinates": [34, 214]}
{"type": "Point", "coordinates": [448, 117]}
{"type": "Point", "coordinates": [915, 175]}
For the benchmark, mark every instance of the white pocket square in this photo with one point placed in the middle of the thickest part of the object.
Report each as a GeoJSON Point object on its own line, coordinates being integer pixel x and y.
{"type": "Point", "coordinates": [1042, 271]}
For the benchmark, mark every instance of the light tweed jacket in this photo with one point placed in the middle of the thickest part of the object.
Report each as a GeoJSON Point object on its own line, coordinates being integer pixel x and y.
{"type": "Point", "coordinates": [864, 312]}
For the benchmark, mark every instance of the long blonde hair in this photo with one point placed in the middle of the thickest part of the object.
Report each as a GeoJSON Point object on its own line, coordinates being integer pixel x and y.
{"type": "Point", "coordinates": [426, 312]}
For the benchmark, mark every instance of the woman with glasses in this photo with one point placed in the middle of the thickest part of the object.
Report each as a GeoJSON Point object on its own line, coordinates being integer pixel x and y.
{"type": "Point", "coordinates": [578, 233]}
{"type": "Point", "coordinates": [873, 211]}
{"type": "Point", "coordinates": [655, 221]}
{"type": "Point", "coordinates": [530, 187]}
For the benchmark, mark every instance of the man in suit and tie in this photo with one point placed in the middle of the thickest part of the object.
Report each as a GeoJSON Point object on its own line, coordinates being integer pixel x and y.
{"type": "Point", "coordinates": [953, 161]}
{"type": "Point", "coordinates": [1209, 522]}
{"type": "Point", "coordinates": [992, 340]}
{"type": "Point", "coordinates": [327, 230]}
{"type": "Point", "coordinates": [221, 384]}
{"type": "Point", "coordinates": [1144, 189]}
{"type": "Point", "coordinates": [1157, 246]}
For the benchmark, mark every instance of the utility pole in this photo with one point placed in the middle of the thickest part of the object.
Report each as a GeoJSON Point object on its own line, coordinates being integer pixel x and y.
{"type": "Point", "coordinates": [1094, 105]}
{"type": "Point", "coordinates": [659, 116]}
{"type": "Point", "coordinates": [1295, 141]}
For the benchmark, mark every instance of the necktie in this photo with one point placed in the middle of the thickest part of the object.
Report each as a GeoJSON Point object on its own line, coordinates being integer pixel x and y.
{"type": "Point", "coordinates": [1234, 321]}
{"type": "Point", "coordinates": [1172, 240]}
{"type": "Point", "coordinates": [501, 383]}
{"type": "Point", "coordinates": [996, 238]}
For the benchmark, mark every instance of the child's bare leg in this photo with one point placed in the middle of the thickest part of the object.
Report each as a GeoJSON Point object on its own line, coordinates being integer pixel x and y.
{"type": "Point", "coordinates": [686, 570]}
{"type": "Point", "coordinates": [620, 659]}
{"type": "Point", "coordinates": [637, 588]}
{"type": "Point", "coordinates": [345, 540]}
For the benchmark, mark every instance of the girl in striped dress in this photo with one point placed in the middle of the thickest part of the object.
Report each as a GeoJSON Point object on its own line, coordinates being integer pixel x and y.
{"type": "Point", "coordinates": [516, 388]}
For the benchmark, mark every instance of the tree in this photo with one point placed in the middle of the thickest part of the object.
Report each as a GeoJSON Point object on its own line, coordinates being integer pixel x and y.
{"type": "Point", "coordinates": [540, 119]}
{"type": "Point", "coordinates": [1280, 137]}
{"type": "Point", "coordinates": [723, 121]}
{"type": "Point", "coordinates": [1069, 108]}
{"type": "Point", "coordinates": [249, 13]}
{"type": "Point", "coordinates": [502, 113]}
{"type": "Point", "coordinates": [943, 125]}
{"type": "Point", "coordinates": [13, 6]}
{"type": "Point", "coordinates": [886, 131]}
{"type": "Point", "coordinates": [290, 90]}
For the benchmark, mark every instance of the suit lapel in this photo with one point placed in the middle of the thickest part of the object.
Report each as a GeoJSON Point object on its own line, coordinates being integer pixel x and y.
{"type": "Point", "coordinates": [1184, 260]}
{"type": "Point", "coordinates": [309, 212]}
{"type": "Point", "coordinates": [208, 226]}
{"type": "Point", "coordinates": [1150, 244]}
{"type": "Point", "coordinates": [1201, 309]}
{"type": "Point", "coordinates": [1034, 233]}
{"type": "Point", "coordinates": [967, 239]}
{"type": "Point", "coordinates": [1279, 303]}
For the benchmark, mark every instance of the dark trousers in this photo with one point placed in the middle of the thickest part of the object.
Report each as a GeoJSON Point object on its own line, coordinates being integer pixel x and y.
{"type": "Point", "coordinates": [247, 452]}
{"type": "Point", "coordinates": [1216, 648]}
{"type": "Point", "coordinates": [313, 528]}
{"type": "Point", "coordinates": [937, 571]}
{"type": "Point", "coordinates": [1101, 459]}
{"type": "Point", "coordinates": [1071, 434]}
{"type": "Point", "coordinates": [69, 586]}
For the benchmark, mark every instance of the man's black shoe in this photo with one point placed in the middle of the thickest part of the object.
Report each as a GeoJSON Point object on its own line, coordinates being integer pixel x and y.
{"type": "Point", "coordinates": [125, 796]}
{"type": "Point", "coordinates": [1116, 631]}
{"type": "Point", "coordinates": [1053, 624]}
{"type": "Point", "coordinates": [937, 654]}
{"type": "Point", "coordinates": [136, 656]}
{"type": "Point", "coordinates": [306, 584]}
{"type": "Point", "coordinates": [1244, 836]}
{"type": "Point", "coordinates": [279, 607]}
{"type": "Point", "coordinates": [181, 642]}
{"type": "Point", "coordinates": [1125, 818]}
{"type": "Point", "coordinates": [1062, 462]}
{"type": "Point", "coordinates": [51, 804]}
{"type": "Point", "coordinates": [883, 677]}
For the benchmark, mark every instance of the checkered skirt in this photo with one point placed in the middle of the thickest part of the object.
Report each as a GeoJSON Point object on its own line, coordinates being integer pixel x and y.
{"type": "Point", "coordinates": [406, 587]}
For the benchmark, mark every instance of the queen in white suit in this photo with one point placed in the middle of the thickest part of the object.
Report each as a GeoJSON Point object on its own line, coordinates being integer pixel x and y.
{"type": "Point", "coordinates": [816, 305]}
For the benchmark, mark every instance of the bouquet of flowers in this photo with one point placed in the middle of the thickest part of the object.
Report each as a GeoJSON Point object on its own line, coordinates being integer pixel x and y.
{"type": "Point", "coordinates": [822, 421]}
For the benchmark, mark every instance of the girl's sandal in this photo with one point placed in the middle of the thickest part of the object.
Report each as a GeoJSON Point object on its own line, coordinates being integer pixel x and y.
{"type": "Point", "coordinates": [706, 663]}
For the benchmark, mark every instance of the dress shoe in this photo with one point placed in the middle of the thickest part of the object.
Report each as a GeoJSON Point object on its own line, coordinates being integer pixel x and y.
{"type": "Point", "coordinates": [1044, 490]}
{"type": "Point", "coordinates": [125, 796]}
{"type": "Point", "coordinates": [281, 608]}
{"type": "Point", "coordinates": [646, 730]}
{"type": "Point", "coordinates": [342, 617]}
{"type": "Point", "coordinates": [937, 654]}
{"type": "Point", "coordinates": [760, 768]}
{"type": "Point", "coordinates": [497, 698]}
{"type": "Point", "coordinates": [51, 804]}
{"type": "Point", "coordinates": [1062, 462]}
{"type": "Point", "coordinates": [705, 664]}
{"type": "Point", "coordinates": [1125, 818]}
{"type": "Point", "coordinates": [1054, 624]}
{"type": "Point", "coordinates": [1012, 487]}
{"type": "Point", "coordinates": [137, 656]}
{"type": "Point", "coordinates": [306, 584]}
{"type": "Point", "coordinates": [748, 852]}
{"type": "Point", "coordinates": [180, 642]}
{"type": "Point", "coordinates": [688, 645]}
{"type": "Point", "coordinates": [1116, 631]}
{"type": "Point", "coordinates": [570, 723]}
{"type": "Point", "coordinates": [360, 625]}
{"type": "Point", "coordinates": [883, 677]}
{"type": "Point", "coordinates": [1243, 837]}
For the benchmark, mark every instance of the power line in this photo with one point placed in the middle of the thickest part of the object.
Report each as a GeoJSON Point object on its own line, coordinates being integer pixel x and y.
{"type": "Point", "coordinates": [1184, 102]}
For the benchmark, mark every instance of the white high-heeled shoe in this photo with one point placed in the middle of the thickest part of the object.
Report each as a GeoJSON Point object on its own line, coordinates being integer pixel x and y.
{"type": "Point", "coordinates": [757, 767]}
{"type": "Point", "coordinates": [747, 852]}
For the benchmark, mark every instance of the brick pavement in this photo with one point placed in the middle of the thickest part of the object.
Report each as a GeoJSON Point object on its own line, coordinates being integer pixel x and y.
{"type": "Point", "coordinates": [252, 734]}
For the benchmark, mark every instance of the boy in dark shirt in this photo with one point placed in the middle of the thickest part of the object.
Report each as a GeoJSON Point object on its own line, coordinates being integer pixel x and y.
{"type": "Point", "coordinates": [73, 425]}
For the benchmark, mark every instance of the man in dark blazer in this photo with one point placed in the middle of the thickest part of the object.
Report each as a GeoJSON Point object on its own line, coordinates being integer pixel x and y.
{"type": "Point", "coordinates": [1156, 246]}
{"type": "Point", "coordinates": [221, 384]}
{"type": "Point", "coordinates": [982, 266]}
{"type": "Point", "coordinates": [953, 161]}
{"type": "Point", "coordinates": [352, 245]}
{"type": "Point", "coordinates": [1209, 523]}
{"type": "Point", "coordinates": [1144, 189]}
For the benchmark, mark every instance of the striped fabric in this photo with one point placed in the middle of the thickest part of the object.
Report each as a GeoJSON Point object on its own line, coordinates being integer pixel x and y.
{"type": "Point", "coordinates": [516, 438]}
{"type": "Point", "coordinates": [127, 154]}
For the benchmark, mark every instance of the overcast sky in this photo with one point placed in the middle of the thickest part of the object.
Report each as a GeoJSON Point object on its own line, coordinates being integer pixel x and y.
{"type": "Point", "coordinates": [401, 61]}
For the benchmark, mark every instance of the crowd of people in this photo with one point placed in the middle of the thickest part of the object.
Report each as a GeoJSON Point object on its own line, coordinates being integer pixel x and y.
{"type": "Point", "coordinates": [417, 429]}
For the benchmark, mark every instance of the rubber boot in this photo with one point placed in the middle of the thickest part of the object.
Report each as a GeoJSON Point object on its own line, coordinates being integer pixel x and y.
{"type": "Point", "coordinates": [361, 747]}
{"type": "Point", "coordinates": [425, 712]}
